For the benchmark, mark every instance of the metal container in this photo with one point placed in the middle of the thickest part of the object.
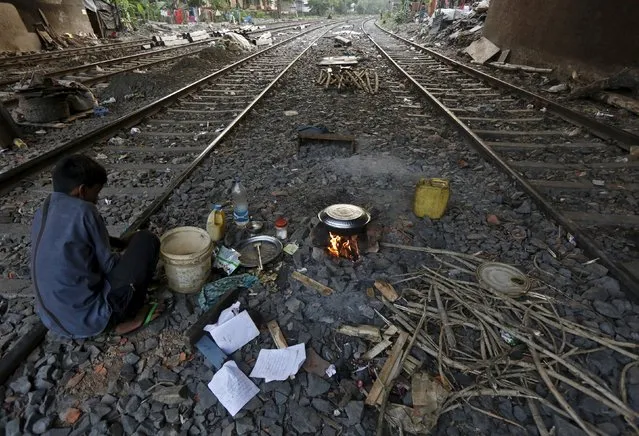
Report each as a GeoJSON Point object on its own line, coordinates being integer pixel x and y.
{"type": "Point", "coordinates": [344, 218]}
{"type": "Point", "coordinates": [270, 248]}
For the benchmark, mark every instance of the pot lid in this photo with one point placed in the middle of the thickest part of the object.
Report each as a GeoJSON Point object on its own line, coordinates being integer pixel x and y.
{"type": "Point", "coordinates": [503, 278]}
{"type": "Point", "coordinates": [344, 216]}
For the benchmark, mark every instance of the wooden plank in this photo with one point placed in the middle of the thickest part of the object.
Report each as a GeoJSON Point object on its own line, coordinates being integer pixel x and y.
{"type": "Point", "coordinates": [189, 111]}
{"type": "Point", "coordinates": [209, 103]}
{"type": "Point", "coordinates": [603, 220]}
{"type": "Point", "coordinates": [520, 133]}
{"type": "Point", "coordinates": [156, 151]}
{"type": "Point", "coordinates": [505, 120]}
{"type": "Point", "coordinates": [309, 282]}
{"type": "Point", "coordinates": [387, 290]}
{"type": "Point", "coordinates": [377, 349]}
{"type": "Point", "coordinates": [462, 94]}
{"type": "Point", "coordinates": [573, 166]}
{"type": "Point", "coordinates": [368, 332]}
{"type": "Point", "coordinates": [181, 122]}
{"type": "Point", "coordinates": [531, 146]}
{"type": "Point", "coordinates": [276, 334]}
{"type": "Point", "coordinates": [156, 134]}
{"type": "Point", "coordinates": [326, 136]}
{"type": "Point", "coordinates": [385, 374]}
{"type": "Point", "coordinates": [583, 185]}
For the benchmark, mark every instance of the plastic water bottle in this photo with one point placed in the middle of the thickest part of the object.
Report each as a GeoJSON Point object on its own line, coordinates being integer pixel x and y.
{"type": "Point", "coordinates": [240, 204]}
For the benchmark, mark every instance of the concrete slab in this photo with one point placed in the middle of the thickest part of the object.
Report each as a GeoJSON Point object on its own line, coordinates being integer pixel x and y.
{"type": "Point", "coordinates": [482, 50]}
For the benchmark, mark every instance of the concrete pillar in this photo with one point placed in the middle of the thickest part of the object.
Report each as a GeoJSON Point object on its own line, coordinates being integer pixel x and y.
{"type": "Point", "coordinates": [596, 36]}
{"type": "Point", "coordinates": [14, 35]}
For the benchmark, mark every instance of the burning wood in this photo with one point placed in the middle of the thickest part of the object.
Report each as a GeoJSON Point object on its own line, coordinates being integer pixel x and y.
{"type": "Point", "coordinates": [343, 246]}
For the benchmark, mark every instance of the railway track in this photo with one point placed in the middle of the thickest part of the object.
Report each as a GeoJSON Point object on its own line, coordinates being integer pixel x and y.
{"type": "Point", "coordinates": [24, 60]}
{"type": "Point", "coordinates": [42, 146]}
{"type": "Point", "coordinates": [572, 166]}
{"type": "Point", "coordinates": [96, 72]}
{"type": "Point", "coordinates": [176, 134]}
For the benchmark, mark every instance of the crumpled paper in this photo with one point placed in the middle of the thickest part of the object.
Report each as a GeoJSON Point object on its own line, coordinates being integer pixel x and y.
{"type": "Point", "coordinates": [211, 292]}
{"type": "Point", "coordinates": [429, 396]}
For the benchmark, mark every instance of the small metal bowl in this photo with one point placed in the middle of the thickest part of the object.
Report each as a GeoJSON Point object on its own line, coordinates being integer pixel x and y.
{"type": "Point", "coordinates": [255, 226]}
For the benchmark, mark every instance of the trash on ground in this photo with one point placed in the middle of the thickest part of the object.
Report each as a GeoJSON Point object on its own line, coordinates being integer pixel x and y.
{"type": "Point", "coordinates": [226, 259]}
{"type": "Point", "coordinates": [116, 141]}
{"type": "Point", "coordinates": [558, 88]}
{"type": "Point", "coordinates": [236, 42]}
{"type": "Point", "coordinates": [211, 351]}
{"type": "Point", "coordinates": [315, 364]}
{"type": "Point", "coordinates": [233, 331]}
{"type": "Point", "coordinates": [232, 388]}
{"type": "Point", "coordinates": [265, 38]}
{"type": "Point", "coordinates": [279, 364]}
{"type": "Point", "coordinates": [291, 248]}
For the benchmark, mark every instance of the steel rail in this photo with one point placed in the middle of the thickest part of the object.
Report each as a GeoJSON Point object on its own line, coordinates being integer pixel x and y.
{"type": "Point", "coordinates": [582, 237]}
{"type": "Point", "coordinates": [25, 345]}
{"type": "Point", "coordinates": [83, 67]}
{"type": "Point", "coordinates": [10, 177]}
{"type": "Point", "coordinates": [601, 130]}
{"type": "Point", "coordinates": [8, 61]}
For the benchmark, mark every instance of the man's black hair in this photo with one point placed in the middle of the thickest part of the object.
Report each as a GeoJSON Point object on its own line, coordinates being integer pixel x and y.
{"type": "Point", "coordinates": [75, 170]}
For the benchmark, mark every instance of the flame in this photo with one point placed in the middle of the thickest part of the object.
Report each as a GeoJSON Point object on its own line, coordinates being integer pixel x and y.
{"type": "Point", "coordinates": [343, 246]}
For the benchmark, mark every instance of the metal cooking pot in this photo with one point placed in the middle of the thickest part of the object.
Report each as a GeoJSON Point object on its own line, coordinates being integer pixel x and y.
{"type": "Point", "coordinates": [344, 218]}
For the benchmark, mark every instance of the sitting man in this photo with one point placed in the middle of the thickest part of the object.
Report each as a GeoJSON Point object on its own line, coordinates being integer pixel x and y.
{"type": "Point", "coordinates": [81, 285]}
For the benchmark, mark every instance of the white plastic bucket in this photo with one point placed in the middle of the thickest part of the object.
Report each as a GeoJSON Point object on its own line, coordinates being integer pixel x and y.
{"type": "Point", "coordinates": [186, 253]}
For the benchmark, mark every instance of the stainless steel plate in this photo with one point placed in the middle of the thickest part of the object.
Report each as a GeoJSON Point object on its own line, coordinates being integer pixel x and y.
{"type": "Point", "coordinates": [344, 216]}
{"type": "Point", "coordinates": [271, 248]}
{"type": "Point", "coordinates": [503, 278]}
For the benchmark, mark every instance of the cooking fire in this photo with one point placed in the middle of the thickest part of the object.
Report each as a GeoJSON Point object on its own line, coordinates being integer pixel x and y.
{"type": "Point", "coordinates": [343, 246]}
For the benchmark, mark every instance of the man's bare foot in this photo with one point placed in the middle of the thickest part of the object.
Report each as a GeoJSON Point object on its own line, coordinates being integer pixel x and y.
{"type": "Point", "coordinates": [140, 318]}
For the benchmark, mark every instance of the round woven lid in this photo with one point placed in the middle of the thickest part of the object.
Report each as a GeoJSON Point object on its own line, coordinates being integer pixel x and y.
{"type": "Point", "coordinates": [503, 278]}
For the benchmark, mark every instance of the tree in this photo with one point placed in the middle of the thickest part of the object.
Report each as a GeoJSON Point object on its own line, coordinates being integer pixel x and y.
{"type": "Point", "coordinates": [318, 7]}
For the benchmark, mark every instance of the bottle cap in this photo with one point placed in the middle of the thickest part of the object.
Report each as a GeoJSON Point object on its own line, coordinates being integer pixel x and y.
{"type": "Point", "coordinates": [217, 207]}
{"type": "Point", "coordinates": [281, 222]}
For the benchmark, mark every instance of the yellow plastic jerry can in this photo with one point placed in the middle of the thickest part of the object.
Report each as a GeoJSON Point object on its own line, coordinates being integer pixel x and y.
{"type": "Point", "coordinates": [431, 198]}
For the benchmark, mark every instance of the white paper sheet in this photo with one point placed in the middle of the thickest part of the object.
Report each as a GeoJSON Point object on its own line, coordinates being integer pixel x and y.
{"type": "Point", "coordinates": [233, 334]}
{"type": "Point", "coordinates": [279, 364]}
{"type": "Point", "coordinates": [232, 388]}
